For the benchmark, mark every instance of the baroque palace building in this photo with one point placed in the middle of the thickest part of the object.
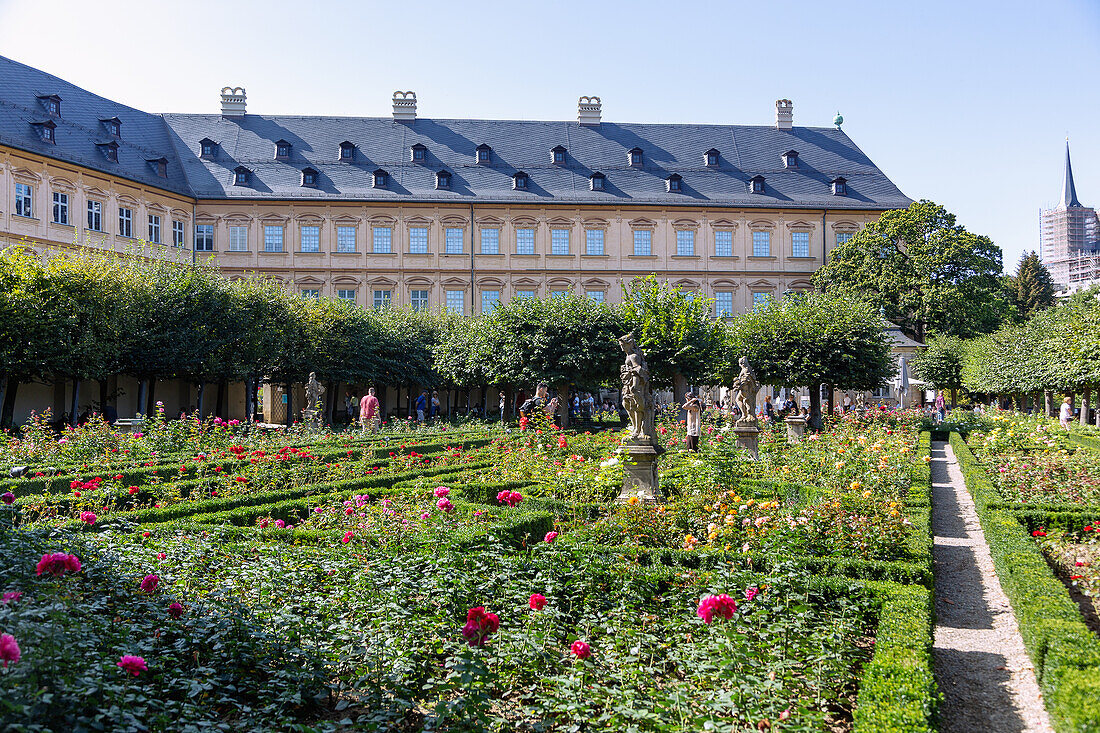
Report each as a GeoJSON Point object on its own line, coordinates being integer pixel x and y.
{"type": "Point", "coordinates": [461, 214]}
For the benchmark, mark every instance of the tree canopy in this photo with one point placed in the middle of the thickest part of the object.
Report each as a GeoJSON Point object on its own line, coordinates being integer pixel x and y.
{"type": "Point", "coordinates": [924, 270]}
{"type": "Point", "coordinates": [1032, 287]}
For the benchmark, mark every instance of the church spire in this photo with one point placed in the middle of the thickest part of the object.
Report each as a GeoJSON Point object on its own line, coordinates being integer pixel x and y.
{"type": "Point", "coordinates": [1069, 193]}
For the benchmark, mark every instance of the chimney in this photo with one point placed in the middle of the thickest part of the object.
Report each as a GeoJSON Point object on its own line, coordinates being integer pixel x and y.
{"type": "Point", "coordinates": [784, 114]}
{"type": "Point", "coordinates": [588, 110]}
{"type": "Point", "coordinates": [232, 101]}
{"type": "Point", "coordinates": [404, 106]}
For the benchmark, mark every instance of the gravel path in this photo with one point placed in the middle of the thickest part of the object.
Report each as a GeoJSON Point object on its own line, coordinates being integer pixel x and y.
{"type": "Point", "coordinates": [982, 669]}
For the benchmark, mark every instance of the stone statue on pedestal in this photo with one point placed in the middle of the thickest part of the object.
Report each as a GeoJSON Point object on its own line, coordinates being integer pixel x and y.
{"type": "Point", "coordinates": [315, 392]}
{"type": "Point", "coordinates": [746, 386]}
{"type": "Point", "coordinates": [640, 448]}
{"type": "Point", "coordinates": [637, 397]}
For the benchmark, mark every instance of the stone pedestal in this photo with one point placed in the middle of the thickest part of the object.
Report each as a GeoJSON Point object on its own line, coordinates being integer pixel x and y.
{"type": "Point", "coordinates": [796, 427]}
{"type": "Point", "coordinates": [747, 438]}
{"type": "Point", "coordinates": [640, 472]}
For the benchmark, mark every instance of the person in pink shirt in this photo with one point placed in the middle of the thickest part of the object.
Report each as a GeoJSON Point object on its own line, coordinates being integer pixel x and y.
{"type": "Point", "coordinates": [368, 411]}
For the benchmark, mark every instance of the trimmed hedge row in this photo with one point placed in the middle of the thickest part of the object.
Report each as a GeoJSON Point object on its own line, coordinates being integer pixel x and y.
{"type": "Point", "coordinates": [209, 506]}
{"type": "Point", "coordinates": [898, 689]}
{"type": "Point", "coordinates": [137, 475]}
{"type": "Point", "coordinates": [1086, 441]}
{"type": "Point", "coordinates": [1065, 652]}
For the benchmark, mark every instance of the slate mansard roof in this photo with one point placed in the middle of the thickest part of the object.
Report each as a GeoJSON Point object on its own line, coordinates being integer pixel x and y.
{"type": "Point", "coordinates": [381, 143]}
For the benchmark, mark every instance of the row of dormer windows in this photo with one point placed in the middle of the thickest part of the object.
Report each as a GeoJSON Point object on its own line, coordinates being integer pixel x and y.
{"type": "Point", "coordinates": [521, 181]}
{"type": "Point", "coordinates": [418, 153]}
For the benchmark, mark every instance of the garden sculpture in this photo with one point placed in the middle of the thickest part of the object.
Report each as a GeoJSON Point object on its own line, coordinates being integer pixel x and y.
{"type": "Point", "coordinates": [746, 386]}
{"type": "Point", "coordinates": [314, 394]}
{"type": "Point", "coordinates": [637, 397]}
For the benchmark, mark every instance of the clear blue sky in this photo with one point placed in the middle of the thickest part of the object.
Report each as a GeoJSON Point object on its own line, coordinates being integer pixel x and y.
{"type": "Point", "coordinates": [967, 103]}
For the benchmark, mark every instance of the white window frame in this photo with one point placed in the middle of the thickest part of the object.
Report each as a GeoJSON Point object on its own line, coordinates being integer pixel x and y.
{"type": "Point", "coordinates": [559, 241]}
{"type": "Point", "coordinates": [95, 216]}
{"type": "Point", "coordinates": [598, 296]}
{"type": "Point", "coordinates": [723, 304]}
{"type": "Point", "coordinates": [154, 228]}
{"type": "Point", "coordinates": [309, 238]}
{"type": "Point", "coordinates": [381, 299]}
{"type": "Point", "coordinates": [643, 243]}
{"type": "Point", "coordinates": [526, 294]}
{"type": "Point", "coordinates": [347, 236]}
{"type": "Point", "coordinates": [490, 236]}
{"type": "Point", "coordinates": [723, 243]}
{"type": "Point", "coordinates": [800, 245]}
{"type": "Point", "coordinates": [125, 222]}
{"type": "Point", "coordinates": [842, 237]}
{"type": "Point", "coordinates": [594, 242]}
{"type": "Point", "coordinates": [238, 239]}
{"type": "Point", "coordinates": [381, 240]}
{"type": "Point", "coordinates": [490, 299]}
{"type": "Point", "coordinates": [455, 301]}
{"type": "Point", "coordinates": [204, 237]}
{"type": "Point", "coordinates": [418, 240]}
{"type": "Point", "coordinates": [761, 243]}
{"type": "Point", "coordinates": [525, 241]}
{"type": "Point", "coordinates": [274, 238]}
{"type": "Point", "coordinates": [314, 293]}
{"type": "Point", "coordinates": [346, 295]}
{"type": "Point", "coordinates": [419, 299]}
{"type": "Point", "coordinates": [454, 239]}
{"type": "Point", "coordinates": [178, 233]}
{"type": "Point", "coordinates": [685, 242]}
{"type": "Point", "coordinates": [60, 207]}
{"type": "Point", "coordinates": [24, 200]}
{"type": "Point", "coordinates": [760, 297]}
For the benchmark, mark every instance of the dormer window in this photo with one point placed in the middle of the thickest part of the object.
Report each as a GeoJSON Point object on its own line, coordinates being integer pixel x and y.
{"type": "Point", "coordinates": [347, 151]}
{"type": "Point", "coordinates": [241, 176]}
{"type": "Point", "coordinates": [309, 177]}
{"type": "Point", "coordinates": [109, 150]}
{"type": "Point", "coordinates": [711, 158]}
{"type": "Point", "coordinates": [282, 150]}
{"type": "Point", "coordinates": [597, 181]}
{"type": "Point", "coordinates": [634, 157]}
{"type": "Point", "coordinates": [790, 159]}
{"type": "Point", "coordinates": [483, 153]}
{"type": "Point", "coordinates": [520, 181]}
{"type": "Point", "coordinates": [443, 179]}
{"type": "Point", "coordinates": [207, 148]}
{"type": "Point", "coordinates": [113, 126]}
{"type": "Point", "coordinates": [51, 103]}
{"type": "Point", "coordinates": [159, 166]}
{"type": "Point", "coordinates": [756, 184]}
{"type": "Point", "coordinates": [419, 153]}
{"type": "Point", "coordinates": [380, 178]}
{"type": "Point", "coordinates": [840, 186]}
{"type": "Point", "coordinates": [557, 155]}
{"type": "Point", "coordinates": [674, 183]}
{"type": "Point", "coordinates": [46, 131]}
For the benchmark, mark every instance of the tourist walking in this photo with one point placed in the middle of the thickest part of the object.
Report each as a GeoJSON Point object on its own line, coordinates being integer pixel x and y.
{"type": "Point", "coordinates": [538, 402]}
{"type": "Point", "coordinates": [1065, 413]}
{"type": "Point", "coordinates": [436, 406]}
{"type": "Point", "coordinates": [422, 406]}
{"type": "Point", "coordinates": [368, 411]}
{"type": "Point", "coordinates": [694, 410]}
{"type": "Point", "coordinates": [941, 407]}
{"type": "Point", "coordinates": [503, 400]}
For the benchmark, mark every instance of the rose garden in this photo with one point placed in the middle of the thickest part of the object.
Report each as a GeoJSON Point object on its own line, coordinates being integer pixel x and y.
{"type": "Point", "coordinates": [503, 574]}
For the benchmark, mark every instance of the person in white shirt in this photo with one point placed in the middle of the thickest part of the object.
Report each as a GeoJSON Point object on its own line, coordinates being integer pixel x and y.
{"type": "Point", "coordinates": [694, 410]}
{"type": "Point", "coordinates": [1065, 413]}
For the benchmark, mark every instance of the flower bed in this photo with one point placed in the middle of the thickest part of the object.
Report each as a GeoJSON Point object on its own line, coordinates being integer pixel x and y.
{"type": "Point", "coordinates": [497, 588]}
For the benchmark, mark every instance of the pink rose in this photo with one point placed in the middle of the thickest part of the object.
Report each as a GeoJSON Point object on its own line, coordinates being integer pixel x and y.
{"type": "Point", "coordinates": [581, 649]}
{"type": "Point", "coordinates": [751, 593]}
{"type": "Point", "coordinates": [479, 625]}
{"type": "Point", "coordinates": [445, 505]}
{"type": "Point", "coordinates": [9, 649]}
{"type": "Point", "coordinates": [550, 537]}
{"type": "Point", "coordinates": [7, 497]}
{"type": "Point", "coordinates": [57, 564]}
{"type": "Point", "coordinates": [87, 517]}
{"type": "Point", "coordinates": [11, 596]}
{"type": "Point", "coordinates": [347, 537]}
{"type": "Point", "coordinates": [441, 491]}
{"type": "Point", "coordinates": [149, 583]}
{"type": "Point", "coordinates": [721, 605]}
{"type": "Point", "coordinates": [175, 610]}
{"type": "Point", "coordinates": [133, 664]}
{"type": "Point", "coordinates": [280, 523]}
{"type": "Point", "coordinates": [537, 602]}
